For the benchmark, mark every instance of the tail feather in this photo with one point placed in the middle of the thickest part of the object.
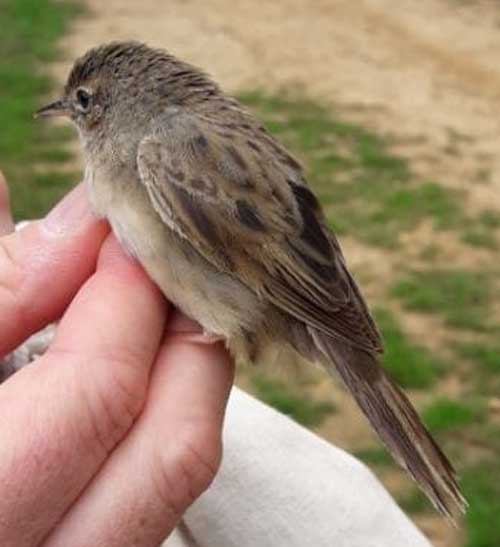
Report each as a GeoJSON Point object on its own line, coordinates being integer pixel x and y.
{"type": "Point", "coordinates": [395, 420]}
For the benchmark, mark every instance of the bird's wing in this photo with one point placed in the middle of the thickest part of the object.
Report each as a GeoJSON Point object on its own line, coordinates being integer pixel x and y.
{"type": "Point", "coordinates": [242, 203]}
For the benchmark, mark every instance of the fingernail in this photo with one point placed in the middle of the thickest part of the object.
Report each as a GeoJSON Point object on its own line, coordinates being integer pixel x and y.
{"type": "Point", "coordinates": [70, 214]}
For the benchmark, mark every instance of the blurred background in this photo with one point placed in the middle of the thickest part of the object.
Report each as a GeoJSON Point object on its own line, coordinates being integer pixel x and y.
{"type": "Point", "coordinates": [393, 107]}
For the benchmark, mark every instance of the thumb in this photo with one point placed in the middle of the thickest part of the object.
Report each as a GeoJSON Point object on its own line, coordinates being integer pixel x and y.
{"type": "Point", "coordinates": [43, 265]}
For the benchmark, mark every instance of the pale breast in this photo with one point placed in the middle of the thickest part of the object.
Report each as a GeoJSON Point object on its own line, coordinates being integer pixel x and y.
{"type": "Point", "coordinates": [218, 301]}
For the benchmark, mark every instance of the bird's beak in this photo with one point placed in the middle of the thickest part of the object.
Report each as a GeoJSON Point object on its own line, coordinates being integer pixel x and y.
{"type": "Point", "coordinates": [61, 107]}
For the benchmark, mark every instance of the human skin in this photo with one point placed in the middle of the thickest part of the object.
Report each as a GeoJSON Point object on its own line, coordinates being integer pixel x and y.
{"type": "Point", "coordinates": [113, 433]}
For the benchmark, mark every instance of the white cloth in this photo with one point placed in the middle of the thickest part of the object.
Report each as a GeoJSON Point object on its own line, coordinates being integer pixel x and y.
{"type": "Point", "coordinates": [281, 486]}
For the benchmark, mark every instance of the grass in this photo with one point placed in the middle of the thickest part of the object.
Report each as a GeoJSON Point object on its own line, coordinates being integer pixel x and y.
{"type": "Point", "coordinates": [448, 415]}
{"type": "Point", "coordinates": [461, 297]}
{"type": "Point", "coordinates": [483, 365]}
{"type": "Point", "coordinates": [482, 489]}
{"type": "Point", "coordinates": [411, 365]}
{"type": "Point", "coordinates": [407, 206]}
{"type": "Point", "coordinates": [277, 394]}
{"type": "Point", "coordinates": [490, 218]}
{"type": "Point", "coordinates": [31, 153]}
{"type": "Point", "coordinates": [483, 230]}
{"type": "Point", "coordinates": [480, 237]}
{"type": "Point", "coordinates": [485, 355]}
{"type": "Point", "coordinates": [374, 455]}
{"type": "Point", "coordinates": [414, 502]}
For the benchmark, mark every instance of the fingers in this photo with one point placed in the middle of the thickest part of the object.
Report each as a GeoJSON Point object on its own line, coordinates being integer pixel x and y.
{"type": "Point", "coordinates": [43, 265]}
{"type": "Point", "coordinates": [168, 459]}
{"type": "Point", "coordinates": [67, 412]}
{"type": "Point", "coordinates": [6, 222]}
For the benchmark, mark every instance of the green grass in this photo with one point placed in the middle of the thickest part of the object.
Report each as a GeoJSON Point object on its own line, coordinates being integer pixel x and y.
{"type": "Point", "coordinates": [483, 366]}
{"type": "Point", "coordinates": [485, 355]}
{"type": "Point", "coordinates": [411, 365]}
{"type": "Point", "coordinates": [480, 237]}
{"type": "Point", "coordinates": [482, 489]}
{"type": "Point", "coordinates": [414, 502]}
{"type": "Point", "coordinates": [463, 298]}
{"type": "Point", "coordinates": [407, 206]}
{"type": "Point", "coordinates": [31, 152]}
{"type": "Point", "coordinates": [447, 415]}
{"type": "Point", "coordinates": [482, 230]}
{"type": "Point", "coordinates": [303, 410]}
{"type": "Point", "coordinates": [374, 455]}
{"type": "Point", "coordinates": [489, 218]}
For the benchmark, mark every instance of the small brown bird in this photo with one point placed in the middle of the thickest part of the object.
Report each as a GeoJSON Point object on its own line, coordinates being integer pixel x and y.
{"type": "Point", "coordinates": [221, 217]}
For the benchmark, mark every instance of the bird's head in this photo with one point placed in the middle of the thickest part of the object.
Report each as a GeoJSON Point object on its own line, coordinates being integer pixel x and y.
{"type": "Point", "coordinates": [124, 86]}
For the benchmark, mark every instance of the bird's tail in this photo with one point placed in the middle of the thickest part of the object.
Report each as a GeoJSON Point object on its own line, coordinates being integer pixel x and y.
{"type": "Point", "coordinates": [395, 420]}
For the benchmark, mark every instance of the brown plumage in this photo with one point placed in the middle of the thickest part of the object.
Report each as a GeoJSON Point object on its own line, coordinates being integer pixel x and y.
{"type": "Point", "coordinates": [221, 217]}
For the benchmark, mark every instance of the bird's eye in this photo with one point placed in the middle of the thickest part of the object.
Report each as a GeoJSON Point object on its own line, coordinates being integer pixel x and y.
{"type": "Point", "coordinates": [83, 97]}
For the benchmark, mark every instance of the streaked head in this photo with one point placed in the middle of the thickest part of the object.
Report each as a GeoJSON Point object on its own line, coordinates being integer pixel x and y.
{"type": "Point", "coordinates": [125, 83]}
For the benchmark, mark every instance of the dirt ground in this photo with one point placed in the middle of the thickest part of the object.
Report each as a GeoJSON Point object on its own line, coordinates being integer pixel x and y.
{"type": "Point", "coordinates": [425, 73]}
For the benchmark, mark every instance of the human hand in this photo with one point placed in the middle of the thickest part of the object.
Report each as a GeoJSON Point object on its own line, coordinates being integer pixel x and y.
{"type": "Point", "coordinates": [111, 435]}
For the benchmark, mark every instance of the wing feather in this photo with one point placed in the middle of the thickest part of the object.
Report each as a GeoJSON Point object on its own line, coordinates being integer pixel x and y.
{"type": "Point", "coordinates": [248, 210]}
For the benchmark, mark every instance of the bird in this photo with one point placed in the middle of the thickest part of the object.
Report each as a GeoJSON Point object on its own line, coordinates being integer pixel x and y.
{"type": "Point", "coordinates": [221, 217]}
